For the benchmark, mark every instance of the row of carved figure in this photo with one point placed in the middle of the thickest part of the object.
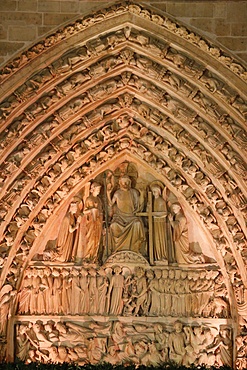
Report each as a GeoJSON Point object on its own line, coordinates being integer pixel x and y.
{"type": "Point", "coordinates": [74, 83]}
{"type": "Point", "coordinates": [188, 166]}
{"type": "Point", "coordinates": [78, 291]}
{"type": "Point", "coordinates": [69, 60]}
{"type": "Point", "coordinates": [129, 343]}
{"type": "Point", "coordinates": [81, 232]}
{"type": "Point", "coordinates": [136, 131]}
{"type": "Point", "coordinates": [229, 261]}
{"type": "Point", "coordinates": [41, 133]}
{"type": "Point", "coordinates": [97, 45]}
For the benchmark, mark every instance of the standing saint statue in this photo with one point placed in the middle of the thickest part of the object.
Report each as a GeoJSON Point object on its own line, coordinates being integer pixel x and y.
{"type": "Point", "coordinates": [66, 236]}
{"type": "Point", "coordinates": [126, 228]}
{"type": "Point", "coordinates": [115, 292]}
{"type": "Point", "coordinates": [181, 237]}
{"type": "Point", "coordinates": [89, 232]}
{"type": "Point", "coordinates": [162, 236]}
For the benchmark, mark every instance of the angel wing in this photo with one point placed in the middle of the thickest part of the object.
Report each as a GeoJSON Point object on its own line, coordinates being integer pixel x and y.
{"type": "Point", "coordinates": [5, 290]}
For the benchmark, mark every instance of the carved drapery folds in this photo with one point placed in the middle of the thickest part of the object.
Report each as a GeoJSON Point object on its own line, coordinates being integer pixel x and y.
{"type": "Point", "coordinates": [177, 117]}
{"type": "Point", "coordinates": [120, 342]}
{"type": "Point", "coordinates": [141, 292]}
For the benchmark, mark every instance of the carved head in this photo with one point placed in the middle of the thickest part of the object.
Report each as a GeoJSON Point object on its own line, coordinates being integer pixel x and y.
{"type": "Point", "coordinates": [183, 274]}
{"type": "Point", "coordinates": [29, 273]}
{"type": "Point", "coordinates": [178, 326]}
{"type": "Point", "coordinates": [171, 274]}
{"type": "Point", "coordinates": [139, 271]}
{"type": "Point", "coordinates": [101, 272]}
{"type": "Point", "coordinates": [225, 332]}
{"type": "Point", "coordinates": [61, 327]}
{"type": "Point", "coordinates": [117, 270]}
{"type": "Point", "coordinates": [165, 274]}
{"type": "Point", "coordinates": [41, 272]}
{"type": "Point", "coordinates": [203, 274]}
{"type": "Point", "coordinates": [176, 208]}
{"type": "Point", "coordinates": [48, 327]}
{"type": "Point", "coordinates": [149, 274]}
{"type": "Point", "coordinates": [55, 273]}
{"type": "Point", "coordinates": [95, 188]}
{"type": "Point", "coordinates": [47, 271]}
{"type": "Point", "coordinates": [65, 272]}
{"type": "Point", "coordinates": [156, 190]}
{"type": "Point", "coordinates": [197, 330]}
{"type": "Point", "coordinates": [73, 207]}
{"type": "Point", "coordinates": [207, 332]}
{"type": "Point", "coordinates": [177, 274]}
{"type": "Point", "coordinates": [22, 329]}
{"type": "Point", "coordinates": [75, 272]}
{"type": "Point", "coordinates": [62, 351]}
{"type": "Point", "coordinates": [158, 274]}
{"type": "Point", "coordinates": [125, 182]}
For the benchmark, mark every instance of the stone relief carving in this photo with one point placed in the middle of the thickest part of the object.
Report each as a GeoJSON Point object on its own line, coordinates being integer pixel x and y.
{"type": "Point", "coordinates": [29, 181]}
{"type": "Point", "coordinates": [200, 98]}
{"type": "Point", "coordinates": [120, 342]}
{"type": "Point", "coordinates": [7, 295]}
{"type": "Point", "coordinates": [241, 361]}
{"type": "Point", "coordinates": [82, 53]}
{"type": "Point", "coordinates": [150, 140]}
{"type": "Point", "coordinates": [30, 230]}
{"type": "Point", "coordinates": [163, 242]}
{"type": "Point", "coordinates": [119, 218]}
{"type": "Point", "coordinates": [126, 229]}
{"type": "Point", "coordinates": [127, 291]}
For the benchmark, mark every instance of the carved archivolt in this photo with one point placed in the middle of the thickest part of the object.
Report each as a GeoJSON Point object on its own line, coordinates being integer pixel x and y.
{"type": "Point", "coordinates": [144, 89]}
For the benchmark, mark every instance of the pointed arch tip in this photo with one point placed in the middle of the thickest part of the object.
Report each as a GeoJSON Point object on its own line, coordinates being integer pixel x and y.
{"type": "Point", "coordinates": [157, 17]}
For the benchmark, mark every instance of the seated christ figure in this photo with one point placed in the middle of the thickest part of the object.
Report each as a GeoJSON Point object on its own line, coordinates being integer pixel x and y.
{"type": "Point", "coordinates": [126, 229]}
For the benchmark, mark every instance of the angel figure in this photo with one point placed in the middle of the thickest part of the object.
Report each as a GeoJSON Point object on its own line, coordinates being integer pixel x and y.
{"type": "Point", "coordinates": [162, 233]}
{"type": "Point", "coordinates": [181, 237]}
{"type": "Point", "coordinates": [90, 231]}
{"type": "Point", "coordinates": [65, 244]}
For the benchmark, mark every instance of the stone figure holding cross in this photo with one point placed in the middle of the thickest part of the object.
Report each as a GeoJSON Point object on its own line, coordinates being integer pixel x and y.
{"type": "Point", "coordinates": [161, 245]}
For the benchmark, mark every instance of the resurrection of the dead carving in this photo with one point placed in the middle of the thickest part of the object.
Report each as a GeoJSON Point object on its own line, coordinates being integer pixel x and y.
{"type": "Point", "coordinates": [120, 342]}
{"type": "Point", "coordinates": [123, 196]}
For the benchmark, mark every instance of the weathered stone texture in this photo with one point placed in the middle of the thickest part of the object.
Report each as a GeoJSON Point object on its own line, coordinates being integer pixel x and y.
{"type": "Point", "coordinates": [3, 33]}
{"type": "Point", "coordinates": [8, 5]}
{"type": "Point", "coordinates": [234, 43]}
{"type": "Point", "coordinates": [20, 33]}
{"type": "Point", "coordinates": [49, 6]}
{"type": "Point", "coordinates": [12, 18]}
{"type": "Point", "coordinates": [190, 9]}
{"type": "Point", "coordinates": [56, 18]}
{"type": "Point", "coordinates": [10, 48]}
{"type": "Point", "coordinates": [27, 5]}
{"type": "Point", "coordinates": [223, 21]}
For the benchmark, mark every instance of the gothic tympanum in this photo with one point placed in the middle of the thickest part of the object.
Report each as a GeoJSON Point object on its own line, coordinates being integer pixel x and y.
{"type": "Point", "coordinates": [101, 266]}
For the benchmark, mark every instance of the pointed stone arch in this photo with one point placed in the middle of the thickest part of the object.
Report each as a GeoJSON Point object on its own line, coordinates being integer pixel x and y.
{"type": "Point", "coordinates": [124, 83]}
